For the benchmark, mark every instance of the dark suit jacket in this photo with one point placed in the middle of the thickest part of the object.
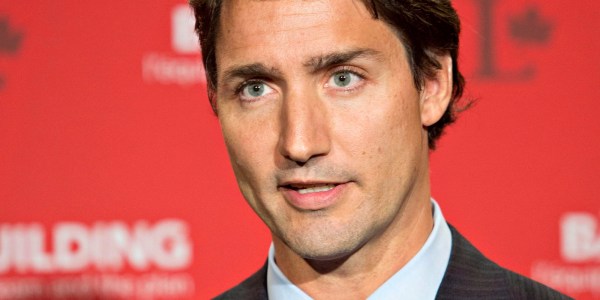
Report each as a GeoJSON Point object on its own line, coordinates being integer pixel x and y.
{"type": "Point", "coordinates": [469, 275]}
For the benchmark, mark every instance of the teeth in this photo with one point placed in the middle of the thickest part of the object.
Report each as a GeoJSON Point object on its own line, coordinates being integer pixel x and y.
{"type": "Point", "coordinates": [316, 189]}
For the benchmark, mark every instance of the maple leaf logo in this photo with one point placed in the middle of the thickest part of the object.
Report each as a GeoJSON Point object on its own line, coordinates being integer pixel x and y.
{"type": "Point", "coordinates": [530, 27]}
{"type": "Point", "coordinates": [10, 41]}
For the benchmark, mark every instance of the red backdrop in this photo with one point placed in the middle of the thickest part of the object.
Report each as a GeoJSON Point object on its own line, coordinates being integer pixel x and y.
{"type": "Point", "coordinates": [115, 184]}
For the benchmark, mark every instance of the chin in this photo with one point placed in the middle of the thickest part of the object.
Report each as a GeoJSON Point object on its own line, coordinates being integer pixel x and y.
{"type": "Point", "coordinates": [324, 248]}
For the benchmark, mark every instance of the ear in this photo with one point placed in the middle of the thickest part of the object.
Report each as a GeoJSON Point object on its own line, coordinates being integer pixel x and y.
{"type": "Point", "coordinates": [436, 92]}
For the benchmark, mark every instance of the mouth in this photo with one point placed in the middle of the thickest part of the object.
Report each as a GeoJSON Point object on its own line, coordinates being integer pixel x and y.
{"type": "Point", "coordinates": [312, 196]}
{"type": "Point", "coordinates": [310, 188]}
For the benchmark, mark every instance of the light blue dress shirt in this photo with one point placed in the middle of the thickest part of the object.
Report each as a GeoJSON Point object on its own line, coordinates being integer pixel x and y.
{"type": "Point", "coordinates": [419, 279]}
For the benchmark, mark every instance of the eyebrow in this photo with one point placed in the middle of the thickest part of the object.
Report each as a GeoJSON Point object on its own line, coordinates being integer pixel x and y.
{"type": "Point", "coordinates": [251, 70]}
{"type": "Point", "coordinates": [313, 64]}
{"type": "Point", "coordinates": [318, 63]}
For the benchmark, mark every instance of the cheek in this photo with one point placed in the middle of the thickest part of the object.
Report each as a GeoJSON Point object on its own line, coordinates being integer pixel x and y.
{"type": "Point", "coordinates": [240, 147]}
{"type": "Point", "coordinates": [384, 137]}
{"type": "Point", "coordinates": [251, 147]}
{"type": "Point", "coordinates": [383, 124]}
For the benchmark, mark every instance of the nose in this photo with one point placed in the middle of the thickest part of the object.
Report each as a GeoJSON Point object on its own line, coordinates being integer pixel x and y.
{"type": "Point", "coordinates": [305, 132]}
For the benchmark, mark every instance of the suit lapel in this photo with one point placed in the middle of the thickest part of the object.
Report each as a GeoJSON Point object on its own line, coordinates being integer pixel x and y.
{"type": "Point", "coordinates": [469, 274]}
{"type": "Point", "coordinates": [253, 288]}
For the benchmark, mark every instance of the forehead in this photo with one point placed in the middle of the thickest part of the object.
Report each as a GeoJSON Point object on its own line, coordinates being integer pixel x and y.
{"type": "Point", "coordinates": [283, 30]}
{"type": "Point", "coordinates": [291, 14]}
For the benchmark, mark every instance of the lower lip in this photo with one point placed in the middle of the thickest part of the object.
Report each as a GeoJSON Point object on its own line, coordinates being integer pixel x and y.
{"type": "Point", "coordinates": [314, 201]}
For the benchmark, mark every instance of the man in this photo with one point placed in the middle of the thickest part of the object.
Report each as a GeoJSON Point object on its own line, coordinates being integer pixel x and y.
{"type": "Point", "coordinates": [329, 110]}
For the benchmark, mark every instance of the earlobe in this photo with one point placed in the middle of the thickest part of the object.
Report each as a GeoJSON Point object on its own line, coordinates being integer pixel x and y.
{"type": "Point", "coordinates": [437, 92]}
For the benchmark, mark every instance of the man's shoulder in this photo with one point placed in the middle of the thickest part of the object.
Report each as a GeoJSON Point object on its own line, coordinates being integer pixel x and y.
{"type": "Point", "coordinates": [470, 275]}
{"type": "Point", "coordinates": [253, 288]}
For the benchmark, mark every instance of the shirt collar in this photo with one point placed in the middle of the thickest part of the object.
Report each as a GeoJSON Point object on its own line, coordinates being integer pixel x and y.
{"type": "Point", "coordinates": [420, 278]}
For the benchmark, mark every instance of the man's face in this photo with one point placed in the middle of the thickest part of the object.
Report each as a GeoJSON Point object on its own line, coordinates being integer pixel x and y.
{"type": "Point", "coordinates": [321, 119]}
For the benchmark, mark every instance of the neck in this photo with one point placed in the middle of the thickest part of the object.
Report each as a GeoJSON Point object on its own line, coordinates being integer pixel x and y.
{"type": "Point", "coordinates": [359, 274]}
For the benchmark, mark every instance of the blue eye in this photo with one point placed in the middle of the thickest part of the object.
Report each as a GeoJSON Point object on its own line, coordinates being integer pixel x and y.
{"type": "Point", "coordinates": [344, 79]}
{"type": "Point", "coordinates": [254, 90]}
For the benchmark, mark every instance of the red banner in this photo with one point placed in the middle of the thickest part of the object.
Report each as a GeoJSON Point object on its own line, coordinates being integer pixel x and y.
{"type": "Point", "coordinates": [115, 182]}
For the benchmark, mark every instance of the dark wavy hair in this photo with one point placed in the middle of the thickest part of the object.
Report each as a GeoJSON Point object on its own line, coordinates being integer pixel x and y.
{"type": "Point", "coordinates": [427, 29]}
